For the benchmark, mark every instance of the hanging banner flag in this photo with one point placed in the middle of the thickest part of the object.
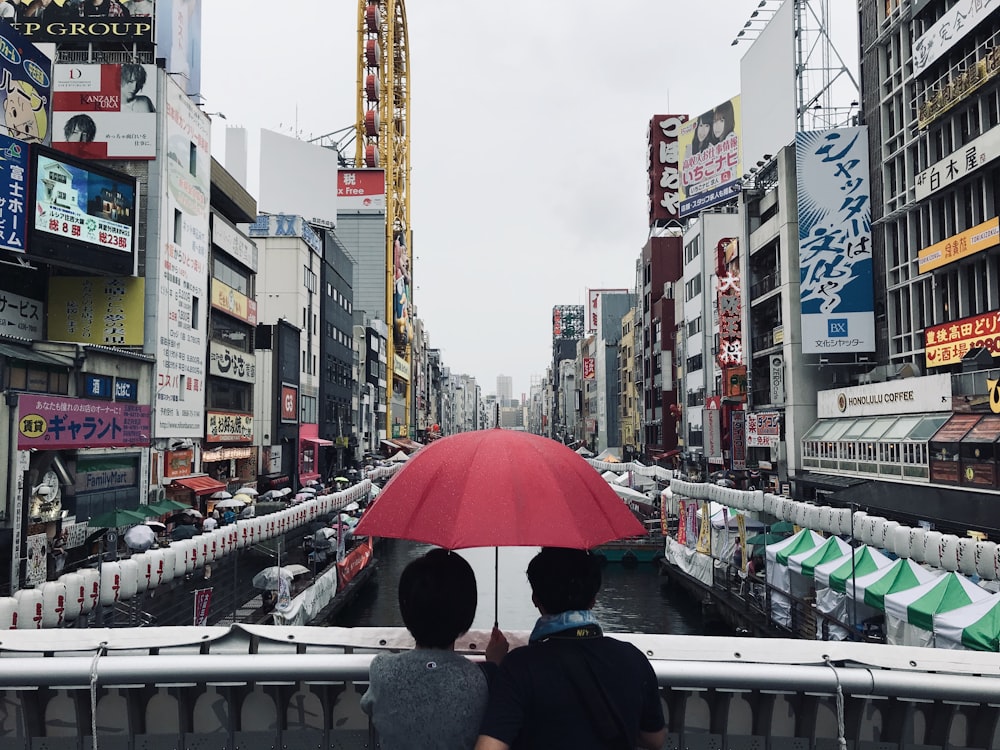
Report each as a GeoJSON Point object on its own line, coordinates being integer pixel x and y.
{"type": "Point", "coordinates": [284, 594]}
{"type": "Point", "coordinates": [682, 522]}
{"type": "Point", "coordinates": [741, 526]}
{"type": "Point", "coordinates": [705, 531]}
{"type": "Point", "coordinates": [202, 604]}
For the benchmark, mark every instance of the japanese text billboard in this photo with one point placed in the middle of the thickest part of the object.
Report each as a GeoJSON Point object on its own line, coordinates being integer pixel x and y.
{"type": "Point", "coordinates": [360, 190]}
{"type": "Point", "coordinates": [102, 310]}
{"type": "Point", "coordinates": [84, 215]}
{"type": "Point", "coordinates": [181, 265]}
{"type": "Point", "coordinates": [975, 240]}
{"type": "Point", "coordinates": [970, 157]}
{"type": "Point", "coordinates": [946, 344]}
{"type": "Point", "coordinates": [712, 164]}
{"type": "Point", "coordinates": [729, 305]}
{"type": "Point", "coordinates": [228, 427]}
{"type": "Point", "coordinates": [105, 111]}
{"type": "Point", "coordinates": [835, 241]}
{"type": "Point", "coordinates": [25, 87]}
{"type": "Point", "coordinates": [85, 22]}
{"type": "Point", "coordinates": [664, 168]}
{"type": "Point", "coordinates": [593, 313]}
{"type": "Point", "coordinates": [21, 316]}
{"type": "Point", "coordinates": [948, 30]}
{"type": "Point", "coordinates": [60, 422]}
{"type": "Point", "coordinates": [15, 186]}
{"type": "Point", "coordinates": [763, 429]}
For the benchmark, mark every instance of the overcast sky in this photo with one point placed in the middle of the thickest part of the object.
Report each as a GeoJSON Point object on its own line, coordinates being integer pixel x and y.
{"type": "Point", "coordinates": [528, 139]}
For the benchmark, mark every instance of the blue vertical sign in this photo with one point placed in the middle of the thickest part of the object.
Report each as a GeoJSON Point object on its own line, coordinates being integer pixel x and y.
{"type": "Point", "coordinates": [835, 241]}
{"type": "Point", "coordinates": [14, 189]}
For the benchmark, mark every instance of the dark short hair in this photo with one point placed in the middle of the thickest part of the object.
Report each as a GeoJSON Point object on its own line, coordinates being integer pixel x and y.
{"type": "Point", "coordinates": [564, 579]}
{"type": "Point", "coordinates": [133, 72]}
{"type": "Point", "coordinates": [437, 598]}
{"type": "Point", "coordinates": [83, 124]}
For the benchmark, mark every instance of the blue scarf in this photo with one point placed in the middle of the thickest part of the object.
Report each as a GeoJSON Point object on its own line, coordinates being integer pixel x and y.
{"type": "Point", "coordinates": [549, 624]}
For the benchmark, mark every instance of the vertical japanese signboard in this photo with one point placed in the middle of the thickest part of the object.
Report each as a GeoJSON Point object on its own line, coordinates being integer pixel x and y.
{"type": "Point", "coordinates": [183, 269]}
{"type": "Point", "coordinates": [835, 242]}
{"type": "Point", "coordinates": [664, 168]}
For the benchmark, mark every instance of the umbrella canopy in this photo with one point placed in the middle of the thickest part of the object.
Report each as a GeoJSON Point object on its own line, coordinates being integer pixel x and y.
{"type": "Point", "coordinates": [837, 574]}
{"type": "Point", "coordinates": [308, 491]}
{"type": "Point", "coordinates": [975, 626]}
{"type": "Point", "coordinates": [156, 525]}
{"type": "Point", "coordinates": [165, 506]}
{"type": "Point", "coordinates": [221, 495]}
{"type": "Point", "coordinates": [184, 531]}
{"type": "Point", "coordinates": [833, 548]}
{"type": "Point", "coordinates": [296, 570]}
{"type": "Point", "coordinates": [247, 491]}
{"type": "Point", "coordinates": [271, 495]}
{"type": "Point", "coordinates": [399, 457]}
{"type": "Point", "coordinates": [919, 604]}
{"type": "Point", "coordinates": [499, 488]}
{"type": "Point", "coordinates": [901, 575]}
{"type": "Point", "coordinates": [192, 512]}
{"type": "Point", "coordinates": [140, 538]}
{"type": "Point", "coordinates": [115, 518]}
{"type": "Point", "coordinates": [267, 579]}
{"type": "Point", "coordinates": [766, 538]}
{"type": "Point", "coordinates": [232, 502]}
{"type": "Point", "coordinates": [323, 538]}
{"type": "Point", "coordinates": [341, 479]}
{"type": "Point", "coordinates": [148, 511]}
{"type": "Point", "coordinates": [582, 450]}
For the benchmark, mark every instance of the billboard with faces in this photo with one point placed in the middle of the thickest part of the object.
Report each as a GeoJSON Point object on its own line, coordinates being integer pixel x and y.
{"type": "Point", "coordinates": [25, 86]}
{"type": "Point", "coordinates": [105, 111]}
{"type": "Point", "coordinates": [712, 163]}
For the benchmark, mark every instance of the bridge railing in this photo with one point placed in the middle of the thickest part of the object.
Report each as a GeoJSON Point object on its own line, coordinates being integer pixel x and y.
{"type": "Point", "coordinates": [269, 687]}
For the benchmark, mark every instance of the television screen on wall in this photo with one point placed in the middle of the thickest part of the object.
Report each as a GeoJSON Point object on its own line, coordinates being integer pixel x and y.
{"type": "Point", "coordinates": [83, 215]}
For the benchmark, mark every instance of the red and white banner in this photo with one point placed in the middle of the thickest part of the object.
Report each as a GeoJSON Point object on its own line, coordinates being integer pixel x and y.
{"type": "Point", "coordinates": [202, 605]}
{"type": "Point", "coordinates": [354, 563]}
{"type": "Point", "coordinates": [588, 368]}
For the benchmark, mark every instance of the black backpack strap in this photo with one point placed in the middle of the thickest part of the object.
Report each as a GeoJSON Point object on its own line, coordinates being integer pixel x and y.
{"type": "Point", "coordinates": [608, 724]}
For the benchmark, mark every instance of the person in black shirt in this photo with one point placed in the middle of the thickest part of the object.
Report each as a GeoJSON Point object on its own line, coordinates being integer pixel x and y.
{"type": "Point", "coordinates": [571, 686]}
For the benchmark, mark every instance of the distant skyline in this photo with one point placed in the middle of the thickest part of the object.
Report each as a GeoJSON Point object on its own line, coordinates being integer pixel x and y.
{"type": "Point", "coordinates": [528, 141]}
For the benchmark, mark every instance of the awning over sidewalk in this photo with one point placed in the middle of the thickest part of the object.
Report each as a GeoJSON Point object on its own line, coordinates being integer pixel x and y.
{"type": "Point", "coordinates": [319, 442]}
{"type": "Point", "coordinates": [203, 485]}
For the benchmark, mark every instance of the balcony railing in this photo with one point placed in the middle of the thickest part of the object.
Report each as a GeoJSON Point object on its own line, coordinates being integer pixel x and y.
{"type": "Point", "coordinates": [269, 686]}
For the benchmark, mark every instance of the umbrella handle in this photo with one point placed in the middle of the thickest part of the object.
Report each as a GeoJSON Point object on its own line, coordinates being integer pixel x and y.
{"type": "Point", "coordinates": [496, 587]}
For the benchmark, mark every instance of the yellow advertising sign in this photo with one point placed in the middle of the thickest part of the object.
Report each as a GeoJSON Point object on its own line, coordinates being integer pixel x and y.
{"type": "Point", "coordinates": [947, 343]}
{"type": "Point", "coordinates": [101, 310]}
{"type": "Point", "coordinates": [962, 245]}
{"type": "Point", "coordinates": [238, 305]}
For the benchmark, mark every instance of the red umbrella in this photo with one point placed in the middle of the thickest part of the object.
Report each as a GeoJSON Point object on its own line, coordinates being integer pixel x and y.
{"type": "Point", "coordinates": [499, 488]}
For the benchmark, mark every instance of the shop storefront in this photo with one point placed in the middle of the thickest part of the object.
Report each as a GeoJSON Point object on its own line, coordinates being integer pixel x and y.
{"type": "Point", "coordinates": [313, 454]}
{"type": "Point", "coordinates": [233, 466]}
{"type": "Point", "coordinates": [194, 490]}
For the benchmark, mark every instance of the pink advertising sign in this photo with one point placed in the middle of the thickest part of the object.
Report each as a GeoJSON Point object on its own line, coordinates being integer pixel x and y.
{"type": "Point", "coordinates": [57, 422]}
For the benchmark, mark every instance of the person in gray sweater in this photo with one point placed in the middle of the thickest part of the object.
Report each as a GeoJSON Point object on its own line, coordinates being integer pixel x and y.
{"type": "Point", "coordinates": [432, 698]}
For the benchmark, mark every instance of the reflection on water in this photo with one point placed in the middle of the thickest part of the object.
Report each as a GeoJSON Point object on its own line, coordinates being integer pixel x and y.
{"type": "Point", "coordinates": [631, 599]}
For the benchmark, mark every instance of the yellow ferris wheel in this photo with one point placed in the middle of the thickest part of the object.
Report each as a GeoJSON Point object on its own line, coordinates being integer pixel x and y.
{"type": "Point", "coordinates": [383, 142]}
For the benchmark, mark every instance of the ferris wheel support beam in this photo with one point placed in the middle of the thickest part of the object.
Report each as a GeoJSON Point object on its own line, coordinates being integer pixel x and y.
{"type": "Point", "coordinates": [383, 140]}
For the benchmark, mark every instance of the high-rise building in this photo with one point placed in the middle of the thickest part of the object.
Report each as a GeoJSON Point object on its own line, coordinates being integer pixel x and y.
{"type": "Point", "coordinates": [505, 390]}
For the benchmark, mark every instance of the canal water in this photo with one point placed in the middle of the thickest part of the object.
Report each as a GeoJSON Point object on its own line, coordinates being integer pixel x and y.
{"type": "Point", "coordinates": [632, 600]}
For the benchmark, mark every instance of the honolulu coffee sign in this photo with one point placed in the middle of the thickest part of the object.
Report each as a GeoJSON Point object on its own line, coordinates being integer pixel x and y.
{"type": "Point", "coordinates": [927, 394]}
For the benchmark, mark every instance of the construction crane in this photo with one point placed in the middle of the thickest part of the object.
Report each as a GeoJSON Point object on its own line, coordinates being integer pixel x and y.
{"type": "Point", "coordinates": [383, 141]}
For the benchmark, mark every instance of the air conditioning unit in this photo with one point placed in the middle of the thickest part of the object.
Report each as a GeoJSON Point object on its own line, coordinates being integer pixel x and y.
{"type": "Point", "coordinates": [156, 495]}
